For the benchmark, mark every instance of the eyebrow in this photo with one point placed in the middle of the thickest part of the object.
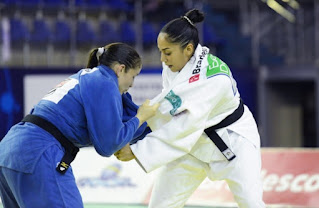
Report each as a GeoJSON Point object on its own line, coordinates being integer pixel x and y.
{"type": "Point", "coordinates": [163, 49]}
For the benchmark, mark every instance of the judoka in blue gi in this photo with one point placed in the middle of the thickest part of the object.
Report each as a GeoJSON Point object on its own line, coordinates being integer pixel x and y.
{"type": "Point", "coordinates": [90, 108]}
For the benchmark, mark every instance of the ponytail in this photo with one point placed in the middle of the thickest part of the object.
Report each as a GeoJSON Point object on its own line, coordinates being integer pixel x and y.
{"type": "Point", "coordinates": [93, 61]}
{"type": "Point", "coordinates": [115, 53]}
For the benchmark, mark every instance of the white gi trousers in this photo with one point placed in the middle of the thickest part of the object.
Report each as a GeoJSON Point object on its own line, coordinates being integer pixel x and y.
{"type": "Point", "coordinates": [177, 181]}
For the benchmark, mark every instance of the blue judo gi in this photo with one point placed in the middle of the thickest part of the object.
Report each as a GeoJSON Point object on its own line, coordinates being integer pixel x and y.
{"type": "Point", "coordinates": [90, 111]}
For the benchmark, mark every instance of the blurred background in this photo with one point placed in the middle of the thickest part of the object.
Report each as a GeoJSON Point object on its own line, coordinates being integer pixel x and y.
{"type": "Point", "coordinates": [271, 46]}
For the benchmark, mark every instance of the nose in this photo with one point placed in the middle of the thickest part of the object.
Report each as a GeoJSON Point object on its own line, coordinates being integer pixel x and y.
{"type": "Point", "coordinates": [163, 58]}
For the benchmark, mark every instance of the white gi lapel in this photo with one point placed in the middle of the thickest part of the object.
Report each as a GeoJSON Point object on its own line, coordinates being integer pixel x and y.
{"type": "Point", "coordinates": [191, 72]}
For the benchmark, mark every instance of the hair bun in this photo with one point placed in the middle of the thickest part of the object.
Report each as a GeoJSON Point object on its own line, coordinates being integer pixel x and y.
{"type": "Point", "coordinates": [195, 15]}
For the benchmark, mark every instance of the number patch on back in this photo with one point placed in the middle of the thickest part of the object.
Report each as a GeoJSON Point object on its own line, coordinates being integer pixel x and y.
{"type": "Point", "coordinates": [59, 91]}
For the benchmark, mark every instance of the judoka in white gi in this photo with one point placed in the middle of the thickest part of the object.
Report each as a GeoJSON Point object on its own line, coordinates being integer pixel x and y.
{"type": "Point", "coordinates": [199, 91]}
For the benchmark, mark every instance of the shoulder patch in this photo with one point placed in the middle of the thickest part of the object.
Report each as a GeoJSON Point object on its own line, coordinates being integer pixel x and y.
{"type": "Point", "coordinates": [175, 100]}
{"type": "Point", "coordinates": [216, 66]}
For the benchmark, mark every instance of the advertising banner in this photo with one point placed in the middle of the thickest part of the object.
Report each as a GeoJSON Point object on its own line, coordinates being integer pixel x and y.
{"type": "Point", "coordinates": [290, 179]}
{"type": "Point", "coordinates": [291, 176]}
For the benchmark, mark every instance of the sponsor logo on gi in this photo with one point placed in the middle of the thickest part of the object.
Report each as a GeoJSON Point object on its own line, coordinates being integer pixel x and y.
{"type": "Point", "coordinates": [194, 78]}
{"type": "Point", "coordinates": [196, 71]}
{"type": "Point", "coordinates": [175, 100]}
{"type": "Point", "coordinates": [216, 66]}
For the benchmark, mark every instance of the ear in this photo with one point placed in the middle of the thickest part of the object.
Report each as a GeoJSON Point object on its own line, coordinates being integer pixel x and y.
{"type": "Point", "coordinates": [119, 68]}
{"type": "Point", "coordinates": [189, 49]}
{"type": "Point", "coordinates": [122, 67]}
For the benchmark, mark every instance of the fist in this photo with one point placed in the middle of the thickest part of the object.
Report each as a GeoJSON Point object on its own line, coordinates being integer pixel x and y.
{"type": "Point", "coordinates": [125, 154]}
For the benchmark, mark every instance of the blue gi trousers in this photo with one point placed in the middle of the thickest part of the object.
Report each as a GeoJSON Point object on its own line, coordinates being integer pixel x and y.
{"type": "Point", "coordinates": [44, 188]}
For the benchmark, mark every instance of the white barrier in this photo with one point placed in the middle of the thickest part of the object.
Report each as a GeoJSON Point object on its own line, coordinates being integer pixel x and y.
{"type": "Point", "coordinates": [146, 86]}
{"type": "Point", "coordinates": [290, 178]}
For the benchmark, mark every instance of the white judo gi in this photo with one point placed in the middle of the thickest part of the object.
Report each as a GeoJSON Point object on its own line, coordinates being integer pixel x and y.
{"type": "Point", "coordinates": [201, 95]}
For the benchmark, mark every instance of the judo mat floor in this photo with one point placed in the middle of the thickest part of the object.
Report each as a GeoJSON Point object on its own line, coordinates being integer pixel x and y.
{"type": "Point", "coordinates": [126, 206]}
{"type": "Point", "coordinates": [130, 206]}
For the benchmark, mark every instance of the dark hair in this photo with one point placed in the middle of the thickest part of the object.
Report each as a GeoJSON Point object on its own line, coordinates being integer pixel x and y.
{"type": "Point", "coordinates": [116, 52]}
{"type": "Point", "coordinates": [182, 30]}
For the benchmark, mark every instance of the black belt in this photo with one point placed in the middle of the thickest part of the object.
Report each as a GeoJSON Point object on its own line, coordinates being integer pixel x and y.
{"type": "Point", "coordinates": [70, 149]}
{"type": "Point", "coordinates": [211, 131]}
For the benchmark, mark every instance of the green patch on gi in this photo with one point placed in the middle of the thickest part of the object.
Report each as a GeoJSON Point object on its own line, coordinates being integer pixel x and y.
{"type": "Point", "coordinates": [175, 100]}
{"type": "Point", "coordinates": [216, 67]}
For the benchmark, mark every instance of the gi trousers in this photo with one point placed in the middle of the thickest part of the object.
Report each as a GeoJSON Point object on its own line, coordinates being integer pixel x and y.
{"type": "Point", "coordinates": [177, 181]}
{"type": "Point", "coordinates": [45, 187]}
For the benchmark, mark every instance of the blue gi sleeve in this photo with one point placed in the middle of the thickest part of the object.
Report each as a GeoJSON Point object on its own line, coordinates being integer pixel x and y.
{"type": "Point", "coordinates": [141, 136]}
{"type": "Point", "coordinates": [102, 104]}
{"type": "Point", "coordinates": [129, 111]}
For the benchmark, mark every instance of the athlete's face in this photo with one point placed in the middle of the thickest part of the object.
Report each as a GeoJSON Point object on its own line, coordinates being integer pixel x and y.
{"type": "Point", "coordinates": [172, 54]}
{"type": "Point", "coordinates": [126, 79]}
